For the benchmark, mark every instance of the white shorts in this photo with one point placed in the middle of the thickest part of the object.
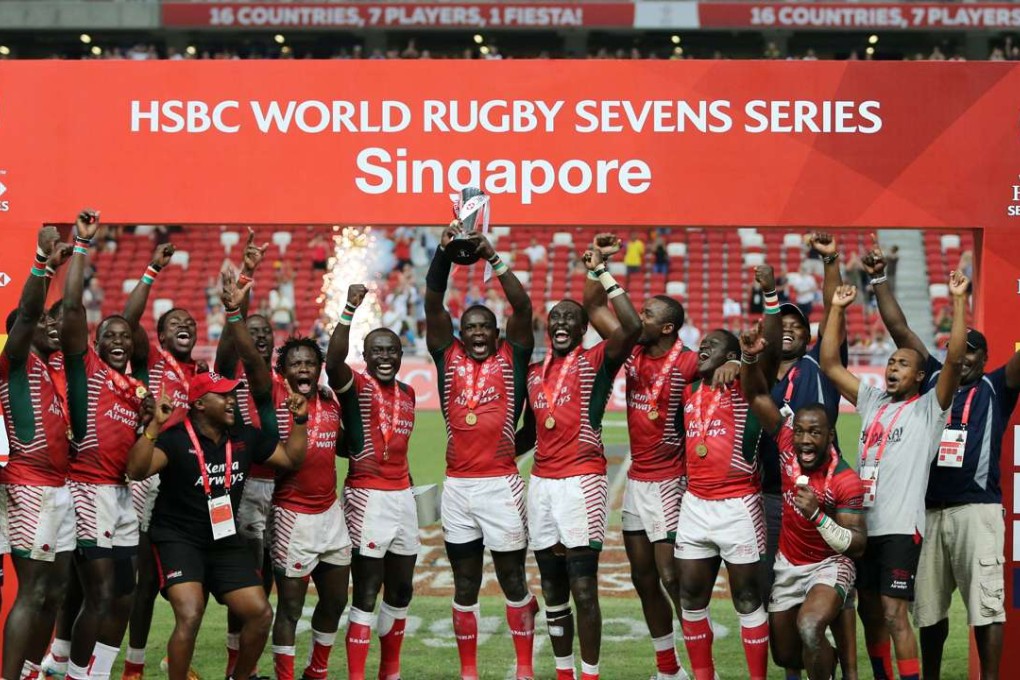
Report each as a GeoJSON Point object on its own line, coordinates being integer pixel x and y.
{"type": "Point", "coordinates": [382, 521]}
{"type": "Point", "coordinates": [253, 510]}
{"type": "Point", "coordinates": [733, 528]}
{"type": "Point", "coordinates": [104, 515]}
{"type": "Point", "coordinates": [572, 511]}
{"type": "Point", "coordinates": [143, 496]}
{"type": "Point", "coordinates": [39, 520]}
{"type": "Point", "coordinates": [490, 508]}
{"type": "Point", "coordinates": [792, 582]}
{"type": "Point", "coordinates": [653, 507]}
{"type": "Point", "coordinates": [301, 540]}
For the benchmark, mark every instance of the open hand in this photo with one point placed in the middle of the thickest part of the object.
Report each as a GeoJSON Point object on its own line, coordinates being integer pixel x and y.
{"type": "Point", "coordinates": [231, 295]}
{"type": "Point", "coordinates": [253, 254]}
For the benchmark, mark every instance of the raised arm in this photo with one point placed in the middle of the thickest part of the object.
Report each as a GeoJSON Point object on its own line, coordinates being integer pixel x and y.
{"type": "Point", "coordinates": [846, 533]}
{"type": "Point", "coordinates": [752, 379]}
{"type": "Point", "coordinates": [134, 308]}
{"type": "Point", "coordinates": [438, 324]}
{"type": "Point", "coordinates": [518, 328]}
{"type": "Point", "coordinates": [952, 369]}
{"type": "Point", "coordinates": [846, 382]}
{"type": "Point", "coordinates": [1013, 371]}
{"type": "Point", "coordinates": [74, 329]}
{"type": "Point", "coordinates": [889, 309]}
{"type": "Point", "coordinates": [226, 354]}
{"type": "Point", "coordinates": [32, 303]}
{"type": "Point", "coordinates": [145, 458]}
{"type": "Point", "coordinates": [259, 379]}
{"type": "Point", "coordinates": [596, 303]}
{"type": "Point", "coordinates": [337, 370]}
{"type": "Point", "coordinates": [825, 245]}
{"type": "Point", "coordinates": [290, 455]}
{"type": "Point", "coordinates": [622, 339]}
{"type": "Point", "coordinates": [772, 329]}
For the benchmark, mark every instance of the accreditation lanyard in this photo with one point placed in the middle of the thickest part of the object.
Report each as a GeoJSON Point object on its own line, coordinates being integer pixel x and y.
{"type": "Point", "coordinates": [388, 416]}
{"type": "Point", "coordinates": [787, 410]}
{"type": "Point", "coordinates": [954, 442]}
{"type": "Point", "coordinates": [221, 512]}
{"type": "Point", "coordinates": [869, 473]}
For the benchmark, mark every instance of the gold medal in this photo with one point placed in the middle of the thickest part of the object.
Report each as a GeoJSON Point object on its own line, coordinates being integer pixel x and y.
{"type": "Point", "coordinates": [70, 435]}
{"type": "Point", "coordinates": [471, 418]}
{"type": "Point", "coordinates": [653, 414]}
{"type": "Point", "coordinates": [141, 392]}
{"type": "Point", "coordinates": [701, 449]}
{"type": "Point", "coordinates": [550, 423]}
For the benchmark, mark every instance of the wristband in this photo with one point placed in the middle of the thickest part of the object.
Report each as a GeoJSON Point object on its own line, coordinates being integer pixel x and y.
{"type": "Point", "coordinates": [771, 295]}
{"type": "Point", "coordinates": [592, 275]}
{"type": "Point", "coordinates": [145, 433]}
{"type": "Point", "coordinates": [879, 279]}
{"type": "Point", "coordinates": [79, 250]}
{"type": "Point", "coordinates": [771, 307]}
{"type": "Point", "coordinates": [347, 316]}
{"type": "Point", "coordinates": [79, 241]}
{"type": "Point", "coordinates": [300, 420]}
{"type": "Point", "coordinates": [498, 266]}
{"type": "Point", "coordinates": [814, 518]}
{"type": "Point", "coordinates": [36, 271]}
{"type": "Point", "coordinates": [837, 537]}
{"type": "Point", "coordinates": [829, 259]}
{"type": "Point", "coordinates": [615, 291]}
{"type": "Point", "coordinates": [243, 280]}
{"type": "Point", "coordinates": [749, 359]}
{"type": "Point", "coordinates": [40, 257]}
{"type": "Point", "coordinates": [50, 272]}
{"type": "Point", "coordinates": [235, 318]}
{"type": "Point", "coordinates": [606, 279]}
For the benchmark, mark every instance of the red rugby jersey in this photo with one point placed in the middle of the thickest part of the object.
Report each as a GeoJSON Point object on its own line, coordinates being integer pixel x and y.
{"type": "Point", "coordinates": [312, 488]}
{"type": "Point", "coordinates": [367, 408]}
{"type": "Point", "coordinates": [729, 467]}
{"type": "Point", "coordinates": [574, 446]}
{"type": "Point", "coordinates": [493, 404]}
{"type": "Point", "coordinates": [799, 540]}
{"type": "Point", "coordinates": [35, 408]}
{"type": "Point", "coordinates": [169, 376]}
{"type": "Point", "coordinates": [656, 445]}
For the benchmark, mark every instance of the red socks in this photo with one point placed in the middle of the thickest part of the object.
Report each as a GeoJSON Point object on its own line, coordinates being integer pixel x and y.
{"type": "Point", "coordinates": [881, 660]}
{"type": "Point", "coordinates": [318, 659]}
{"type": "Point", "coordinates": [465, 629]}
{"type": "Point", "coordinates": [909, 669]}
{"type": "Point", "coordinates": [359, 636]}
{"type": "Point", "coordinates": [698, 638]}
{"type": "Point", "coordinates": [665, 655]}
{"type": "Point", "coordinates": [520, 617]}
{"type": "Point", "coordinates": [391, 636]}
{"type": "Point", "coordinates": [233, 644]}
{"type": "Point", "coordinates": [754, 632]}
{"type": "Point", "coordinates": [283, 662]}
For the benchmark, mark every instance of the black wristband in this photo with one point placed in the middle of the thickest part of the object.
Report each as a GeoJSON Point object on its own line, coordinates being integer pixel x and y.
{"type": "Point", "coordinates": [300, 420]}
{"type": "Point", "coordinates": [439, 272]}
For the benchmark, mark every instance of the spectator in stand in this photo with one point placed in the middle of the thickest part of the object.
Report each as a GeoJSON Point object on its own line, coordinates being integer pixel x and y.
{"type": "Point", "coordinates": [634, 257]}
{"type": "Point", "coordinates": [281, 313]}
{"type": "Point", "coordinates": [755, 300]}
{"type": "Point", "coordinates": [92, 299]}
{"type": "Point", "coordinates": [803, 289]}
{"type": "Point", "coordinates": [319, 249]}
{"type": "Point", "coordinates": [966, 265]}
{"type": "Point", "coordinates": [660, 263]}
{"type": "Point", "coordinates": [690, 335]}
{"type": "Point", "coordinates": [214, 322]}
{"type": "Point", "coordinates": [455, 305]}
{"type": "Point", "coordinates": [496, 304]}
{"type": "Point", "coordinates": [854, 272]}
{"type": "Point", "coordinates": [881, 344]}
{"type": "Point", "coordinates": [285, 283]}
{"type": "Point", "coordinates": [535, 252]}
{"type": "Point", "coordinates": [402, 250]}
{"type": "Point", "coordinates": [732, 313]}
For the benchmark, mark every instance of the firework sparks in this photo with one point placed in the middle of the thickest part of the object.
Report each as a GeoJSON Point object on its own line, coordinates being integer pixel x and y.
{"type": "Point", "coordinates": [355, 259]}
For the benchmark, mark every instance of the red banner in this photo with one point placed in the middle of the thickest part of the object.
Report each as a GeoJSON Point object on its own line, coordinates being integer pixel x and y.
{"type": "Point", "coordinates": [865, 16]}
{"type": "Point", "coordinates": [397, 15]}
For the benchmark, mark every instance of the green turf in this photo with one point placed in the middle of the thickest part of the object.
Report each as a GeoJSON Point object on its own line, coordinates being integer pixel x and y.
{"type": "Point", "coordinates": [430, 648]}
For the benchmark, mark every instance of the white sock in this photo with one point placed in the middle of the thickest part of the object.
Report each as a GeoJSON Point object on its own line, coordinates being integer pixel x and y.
{"type": "Point", "coordinates": [60, 648]}
{"type": "Point", "coordinates": [135, 655]}
{"type": "Point", "coordinates": [76, 672]}
{"type": "Point", "coordinates": [361, 618]}
{"type": "Point", "coordinates": [324, 639]}
{"type": "Point", "coordinates": [387, 616]}
{"type": "Point", "coordinates": [565, 662]}
{"type": "Point", "coordinates": [589, 668]}
{"type": "Point", "coordinates": [754, 619]}
{"type": "Point", "coordinates": [661, 644]}
{"type": "Point", "coordinates": [234, 641]}
{"type": "Point", "coordinates": [283, 650]}
{"type": "Point", "coordinates": [103, 657]}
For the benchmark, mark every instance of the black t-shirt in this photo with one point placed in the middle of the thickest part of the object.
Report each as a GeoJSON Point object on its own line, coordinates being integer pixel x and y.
{"type": "Point", "coordinates": [181, 512]}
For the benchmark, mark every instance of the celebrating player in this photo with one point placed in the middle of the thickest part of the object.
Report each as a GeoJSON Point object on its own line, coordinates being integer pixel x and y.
{"type": "Point", "coordinates": [823, 523]}
{"type": "Point", "coordinates": [567, 500]}
{"type": "Point", "coordinates": [203, 463]}
{"type": "Point", "coordinates": [38, 507]}
{"type": "Point", "coordinates": [170, 370]}
{"type": "Point", "coordinates": [721, 517]}
{"type": "Point", "coordinates": [253, 512]}
{"type": "Point", "coordinates": [965, 530]}
{"type": "Point", "coordinates": [378, 416]}
{"type": "Point", "coordinates": [482, 383]}
{"type": "Point", "coordinates": [900, 438]}
{"type": "Point", "coordinates": [105, 404]}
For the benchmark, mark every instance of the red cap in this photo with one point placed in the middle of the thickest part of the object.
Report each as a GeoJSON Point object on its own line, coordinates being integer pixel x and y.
{"type": "Point", "coordinates": [204, 383]}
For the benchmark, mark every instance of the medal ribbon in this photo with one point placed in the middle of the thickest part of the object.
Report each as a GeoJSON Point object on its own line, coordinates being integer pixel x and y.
{"type": "Point", "coordinates": [172, 362]}
{"type": "Point", "coordinates": [126, 386]}
{"type": "Point", "coordinates": [550, 399]}
{"type": "Point", "coordinates": [885, 435]}
{"type": "Point", "coordinates": [660, 379]}
{"type": "Point", "coordinates": [388, 427]}
{"type": "Point", "coordinates": [59, 379]}
{"type": "Point", "coordinates": [471, 374]}
{"type": "Point", "coordinates": [705, 420]}
{"type": "Point", "coordinates": [200, 455]}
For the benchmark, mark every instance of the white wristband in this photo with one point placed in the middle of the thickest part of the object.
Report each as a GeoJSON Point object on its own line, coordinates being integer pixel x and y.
{"type": "Point", "coordinates": [836, 536]}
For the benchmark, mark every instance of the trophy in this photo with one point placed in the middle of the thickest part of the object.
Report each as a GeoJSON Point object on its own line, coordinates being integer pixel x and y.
{"type": "Point", "coordinates": [471, 207]}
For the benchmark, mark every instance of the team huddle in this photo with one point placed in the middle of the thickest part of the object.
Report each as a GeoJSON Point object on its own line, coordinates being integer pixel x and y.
{"type": "Point", "coordinates": [136, 471]}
